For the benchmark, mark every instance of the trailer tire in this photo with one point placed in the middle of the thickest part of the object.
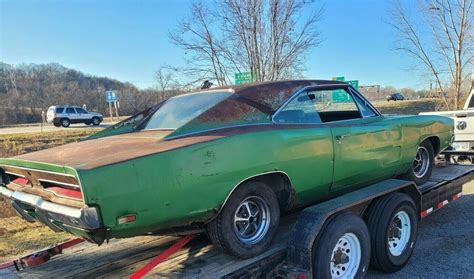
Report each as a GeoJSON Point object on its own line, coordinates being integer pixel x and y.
{"type": "Point", "coordinates": [332, 255]}
{"type": "Point", "coordinates": [392, 217]}
{"type": "Point", "coordinates": [249, 238]}
{"type": "Point", "coordinates": [422, 171]}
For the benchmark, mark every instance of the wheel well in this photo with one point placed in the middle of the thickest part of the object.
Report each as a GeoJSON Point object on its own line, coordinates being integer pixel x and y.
{"type": "Point", "coordinates": [435, 143]}
{"type": "Point", "coordinates": [280, 183]}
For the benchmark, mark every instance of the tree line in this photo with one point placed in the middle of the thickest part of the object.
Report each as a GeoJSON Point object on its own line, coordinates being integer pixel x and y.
{"type": "Point", "coordinates": [28, 89]}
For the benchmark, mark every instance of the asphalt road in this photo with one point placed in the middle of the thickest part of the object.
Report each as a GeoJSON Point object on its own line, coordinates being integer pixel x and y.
{"type": "Point", "coordinates": [445, 245]}
{"type": "Point", "coordinates": [23, 129]}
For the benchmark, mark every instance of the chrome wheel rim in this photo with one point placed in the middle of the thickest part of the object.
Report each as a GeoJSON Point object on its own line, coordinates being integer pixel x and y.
{"type": "Point", "coordinates": [251, 220]}
{"type": "Point", "coordinates": [95, 121]}
{"type": "Point", "coordinates": [65, 123]}
{"type": "Point", "coordinates": [422, 162]}
{"type": "Point", "coordinates": [346, 257]}
{"type": "Point", "coordinates": [399, 233]}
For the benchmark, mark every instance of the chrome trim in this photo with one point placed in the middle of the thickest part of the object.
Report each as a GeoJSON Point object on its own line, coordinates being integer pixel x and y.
{"type": "Point", "coordinates": [60, 183]}
{"type": "Point", "coordinates": [355, 92]}
{"type": "Point", "coordinates": [38, 202]}
{"type": "Point", "coordinates": [15, 174]}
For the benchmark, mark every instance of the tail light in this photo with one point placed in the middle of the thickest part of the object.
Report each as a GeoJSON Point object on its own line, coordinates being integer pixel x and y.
{"type": "Point", "coordinates": [64, 190]}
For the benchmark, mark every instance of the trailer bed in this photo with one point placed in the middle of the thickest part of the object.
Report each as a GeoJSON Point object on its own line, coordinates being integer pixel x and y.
{"type": "Point", "coordinates": [123, 257]}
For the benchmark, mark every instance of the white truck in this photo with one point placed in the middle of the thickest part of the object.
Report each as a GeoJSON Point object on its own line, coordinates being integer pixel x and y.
{"type": "Point", "coordinates": [463, 146]}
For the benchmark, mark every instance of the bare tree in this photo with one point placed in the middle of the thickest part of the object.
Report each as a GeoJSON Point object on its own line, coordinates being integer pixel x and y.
{"type": "Point", "coordinates": [164, 78]}
{"type": "Point", "coordinates": [441, 41]}
{"type": "Point", "coordinates": [269, 38]}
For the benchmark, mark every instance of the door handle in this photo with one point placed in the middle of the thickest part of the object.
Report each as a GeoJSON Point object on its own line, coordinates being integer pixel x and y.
{"type": "Point", "coordinates": [341, 137]}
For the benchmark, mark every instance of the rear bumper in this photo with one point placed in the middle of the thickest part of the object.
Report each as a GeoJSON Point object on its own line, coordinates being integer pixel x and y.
{"type": "Point", "coordinates": [56, 216]}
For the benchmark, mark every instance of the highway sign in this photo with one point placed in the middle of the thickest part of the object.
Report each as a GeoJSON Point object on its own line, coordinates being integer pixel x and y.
{"type": "Point", "coordinates": [110, 96]}
{"type": "Point", "coordinates": [354, 83]}
{"type": "Point", "coordinates": [244, 77]}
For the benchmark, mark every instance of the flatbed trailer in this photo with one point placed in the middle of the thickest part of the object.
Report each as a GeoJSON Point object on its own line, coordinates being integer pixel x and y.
{"type": "Point", "coordinates": [285, 258]}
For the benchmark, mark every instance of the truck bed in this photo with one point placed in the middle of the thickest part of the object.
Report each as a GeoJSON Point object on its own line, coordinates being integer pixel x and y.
{"type": "Point", "coordinates": [123, 257]}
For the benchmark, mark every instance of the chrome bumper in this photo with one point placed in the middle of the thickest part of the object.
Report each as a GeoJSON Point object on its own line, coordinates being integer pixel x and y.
{"type": "Point", "coordinates": [85, 218]}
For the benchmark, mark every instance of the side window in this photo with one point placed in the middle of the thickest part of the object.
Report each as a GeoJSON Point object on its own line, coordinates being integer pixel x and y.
{"type": "Point", "coordinates": [79, 110]}
{"type": "Point", "coordinates": [59, 110]}
{"type": "Point", "coordinates": [70, 110]}
{"type": "Point", "coordinates": [336, 105]}
{"type": "Point", "coordinates": [364, 107]}
{"type": "Point", "coordinates": [300, 110]}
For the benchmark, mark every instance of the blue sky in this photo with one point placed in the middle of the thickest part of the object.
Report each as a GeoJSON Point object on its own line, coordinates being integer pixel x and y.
{"type": "Point", "coordinates": [128, 40]}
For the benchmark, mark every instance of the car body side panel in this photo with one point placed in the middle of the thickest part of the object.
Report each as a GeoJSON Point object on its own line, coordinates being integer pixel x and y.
{"type": "Point", "coordinates": [366, 145]}
{"type": "Point", "coordinates": [190, 184]}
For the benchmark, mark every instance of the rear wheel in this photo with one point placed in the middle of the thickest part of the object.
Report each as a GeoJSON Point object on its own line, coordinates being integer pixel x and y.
{"type": "Point", "coordinates": [422, 166]}
{"type": "Point", "coordinates": [65, 122]}
{"type": "Point", "coordinates": [343, 251]}
{"type": "Point", "coordinates": [248, 221]}
{"type": "Point", "coordinates": [393, 226]}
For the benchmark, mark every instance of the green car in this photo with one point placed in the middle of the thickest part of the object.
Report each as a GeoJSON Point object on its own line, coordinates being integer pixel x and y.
{"type": "Point", "coordinates": [228, 161]}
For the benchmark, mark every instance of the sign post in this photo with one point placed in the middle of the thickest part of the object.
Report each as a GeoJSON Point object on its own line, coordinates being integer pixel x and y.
{"type": "Point", "coordinates": [111, 97]}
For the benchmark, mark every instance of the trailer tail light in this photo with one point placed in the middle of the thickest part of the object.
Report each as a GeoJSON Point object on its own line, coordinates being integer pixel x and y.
{"type": "Point", "coordinates": [130, 218]}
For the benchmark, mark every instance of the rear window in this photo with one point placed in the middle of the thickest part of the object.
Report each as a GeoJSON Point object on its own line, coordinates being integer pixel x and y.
{"type": "Point", "coordinates": [59, 109]}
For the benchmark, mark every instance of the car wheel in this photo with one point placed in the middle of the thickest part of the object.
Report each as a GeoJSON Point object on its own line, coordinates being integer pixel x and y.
{"type": "Point", "coordinates": [95, 121]}
{"type": "Point", "coordinates": [393, 227]}
{"type": "Point", "coordinates": [65, 122]}
{"type": "Point", "coordinates": [422, 166]}
{"type": "Point", "coordinates": [248, 221]}
{"type": "Point", "coordinates": [57, 124]}
{"type": "Point", "coordinates": [343, 250]}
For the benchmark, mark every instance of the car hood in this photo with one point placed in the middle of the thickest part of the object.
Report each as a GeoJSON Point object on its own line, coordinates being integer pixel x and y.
{"type": "Point", "coordinates": [99, 152]}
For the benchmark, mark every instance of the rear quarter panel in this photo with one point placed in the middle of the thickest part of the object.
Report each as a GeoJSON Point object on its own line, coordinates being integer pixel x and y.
{"type": "Point", "coordinates": [417, 128]}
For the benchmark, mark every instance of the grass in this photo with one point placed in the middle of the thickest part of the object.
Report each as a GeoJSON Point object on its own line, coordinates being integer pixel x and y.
{"type": "Point", "coordinates": [410, 107]}
{"type": "Point", "coordinates": [18, 237]}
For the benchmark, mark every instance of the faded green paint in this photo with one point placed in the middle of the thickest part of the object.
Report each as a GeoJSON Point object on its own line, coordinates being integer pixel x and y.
{"type": "Point", "coordinates": [190, 184]}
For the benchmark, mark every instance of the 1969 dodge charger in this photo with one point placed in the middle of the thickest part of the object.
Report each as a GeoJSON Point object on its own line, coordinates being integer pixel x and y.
{"type": "Point", "coordinates": [227, 161]}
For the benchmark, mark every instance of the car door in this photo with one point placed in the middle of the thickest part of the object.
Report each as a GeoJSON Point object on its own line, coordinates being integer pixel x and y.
{"type": "Point", "coordinates": [307, 153]}
{"type": "Point", "coordinates": [71, 114]}
{"type": "Point", "coordinates": [366, 144]}
{"type": "Point", "coordinates": [82, 114]}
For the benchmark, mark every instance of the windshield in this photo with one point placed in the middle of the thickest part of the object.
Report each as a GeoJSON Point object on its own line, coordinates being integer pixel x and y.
{"type": "Point", "coordinates": [179, 110]}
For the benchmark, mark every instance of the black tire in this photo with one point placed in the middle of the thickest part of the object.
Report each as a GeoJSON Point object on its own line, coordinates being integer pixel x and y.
{"type": "Point", "coordinates": [411, 173]}
{"type": "Point", "coordinates": [95, 121]}
{"type": "Point", "coordinates": [57, 124]}
{"type": "Point", "coordinates": [381, 218]}
{"type": "Point", "coordinates": [325, 260]}
{"type": "Point", "coordinates": [222, 232]}
{"type": "Point", "coordinates": [65, 122]}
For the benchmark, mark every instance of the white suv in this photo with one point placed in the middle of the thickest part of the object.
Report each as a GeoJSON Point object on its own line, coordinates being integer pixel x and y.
{"type": "Point", "coordinates": [66, 115]}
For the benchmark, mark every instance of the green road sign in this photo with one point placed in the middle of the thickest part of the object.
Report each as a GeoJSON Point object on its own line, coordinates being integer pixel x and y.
{"type": "Point", "coordinates": [338, 78]}
{"type": "Point", "coordinates": [354, 83]}
{"type": "Point", "coordinates": [244, 77]}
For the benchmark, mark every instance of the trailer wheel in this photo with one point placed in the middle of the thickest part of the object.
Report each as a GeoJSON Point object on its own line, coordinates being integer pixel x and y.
{"type": "Point", "coordinates": [423, 163]}
{"type": "Point", "coordinates": [343, 250]}
{"type": "Point", "coordinates": [393, 226]}
{"type": "Point", "coordinates": [248, 221]}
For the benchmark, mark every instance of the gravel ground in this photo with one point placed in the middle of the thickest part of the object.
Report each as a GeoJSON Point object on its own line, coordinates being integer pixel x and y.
{"type": "Point", "coordinates": [445, 245]}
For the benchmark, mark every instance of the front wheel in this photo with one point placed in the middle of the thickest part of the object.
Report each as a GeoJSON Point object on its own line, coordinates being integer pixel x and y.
{"type": "Point", "coordinates": [343, 251]}
{"type": "Point", "coordinates": [422, 166]}
{"type": "Point", "coordinates": [248, 221]}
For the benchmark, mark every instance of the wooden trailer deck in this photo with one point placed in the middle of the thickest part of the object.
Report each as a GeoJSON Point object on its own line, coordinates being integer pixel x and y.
{"type": "Point", "coordinates": [123, 257]}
